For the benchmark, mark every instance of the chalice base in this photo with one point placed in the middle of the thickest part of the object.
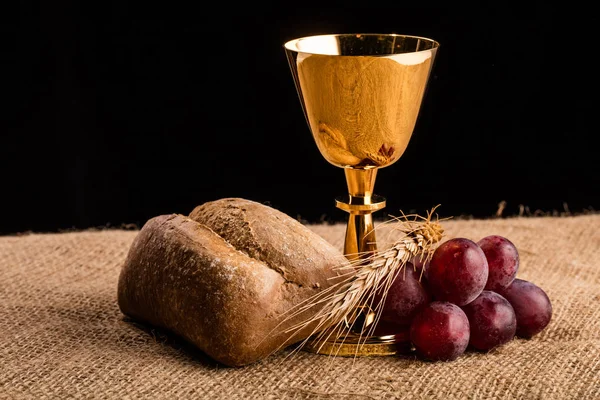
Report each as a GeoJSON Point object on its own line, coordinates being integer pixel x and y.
{"type": "Point", "coordinates": [355, 345]}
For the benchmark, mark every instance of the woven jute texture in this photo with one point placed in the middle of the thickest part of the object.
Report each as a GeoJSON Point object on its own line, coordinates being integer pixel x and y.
{"type": "Point", "coordinates": [62, 334]}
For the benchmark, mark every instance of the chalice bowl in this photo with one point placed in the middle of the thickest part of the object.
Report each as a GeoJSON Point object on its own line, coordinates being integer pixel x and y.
{"type": "Point", "coordinates": [361, 95]}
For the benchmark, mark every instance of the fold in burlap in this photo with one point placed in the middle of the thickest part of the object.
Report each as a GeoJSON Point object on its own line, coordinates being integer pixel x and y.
{"type": "Point", "coordinates": [62, 335]}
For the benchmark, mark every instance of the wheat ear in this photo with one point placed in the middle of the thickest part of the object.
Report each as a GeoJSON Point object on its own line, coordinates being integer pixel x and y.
{"type": "Point", "coordinates": [363, 278]}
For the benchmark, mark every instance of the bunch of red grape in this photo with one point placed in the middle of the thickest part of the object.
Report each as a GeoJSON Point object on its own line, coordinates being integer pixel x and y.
{"type": "Point", "coordinates": [466, 297]}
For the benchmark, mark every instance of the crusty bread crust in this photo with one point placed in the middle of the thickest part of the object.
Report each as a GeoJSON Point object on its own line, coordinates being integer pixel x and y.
{"type": "Point", "coordinates": [223, 277]}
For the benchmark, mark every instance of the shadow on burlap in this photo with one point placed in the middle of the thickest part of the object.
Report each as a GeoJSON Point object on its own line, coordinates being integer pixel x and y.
{"type": "Point", "coordinates": [62, 334]}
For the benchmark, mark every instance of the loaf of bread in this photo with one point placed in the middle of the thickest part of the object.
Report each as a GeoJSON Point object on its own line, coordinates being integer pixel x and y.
{"type": "Point", "coordinates": [225, 277]}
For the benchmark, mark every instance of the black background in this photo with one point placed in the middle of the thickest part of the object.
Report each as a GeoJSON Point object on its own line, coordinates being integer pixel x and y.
{"type": "Point", "coordinates": [116, 112]}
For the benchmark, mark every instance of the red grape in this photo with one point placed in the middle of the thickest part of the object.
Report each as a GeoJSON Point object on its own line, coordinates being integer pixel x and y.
{"type": "Point", "coordinates": [457, 272]}
{"type": "Point", "coordinates": [503, 261]}
{"type": "Point", "coordinates": [440, 331]}
{"type": "Point", "coordinates": [421, 263]}
{"type": "Point", "coordinates": [532, 307]}
{"type": "Point", "coordinates": [405, 296]}
{"type": "Point", "coordinates": [492, 320]}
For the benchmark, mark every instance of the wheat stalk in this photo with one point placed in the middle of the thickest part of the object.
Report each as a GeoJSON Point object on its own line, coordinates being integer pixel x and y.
{"type": "Point", "coordinates": [362, 279]}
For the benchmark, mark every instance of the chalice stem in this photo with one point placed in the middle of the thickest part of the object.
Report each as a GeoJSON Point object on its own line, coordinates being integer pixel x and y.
{"type": "Point", "coordinates": [360, 239]}
{"type": "Point", "coordinates": [360, 236]}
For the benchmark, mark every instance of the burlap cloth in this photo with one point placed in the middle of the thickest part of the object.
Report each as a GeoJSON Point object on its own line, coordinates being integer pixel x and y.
{"type": "Point", "coordinates": [63, 336]}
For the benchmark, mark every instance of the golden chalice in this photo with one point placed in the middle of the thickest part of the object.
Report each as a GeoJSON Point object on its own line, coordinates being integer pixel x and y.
{"type": "Point", "coordinates": [361, 95]}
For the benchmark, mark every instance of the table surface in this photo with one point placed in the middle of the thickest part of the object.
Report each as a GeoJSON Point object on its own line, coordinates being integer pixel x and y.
{"type": "Point", "coordinates": [62, 334]}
